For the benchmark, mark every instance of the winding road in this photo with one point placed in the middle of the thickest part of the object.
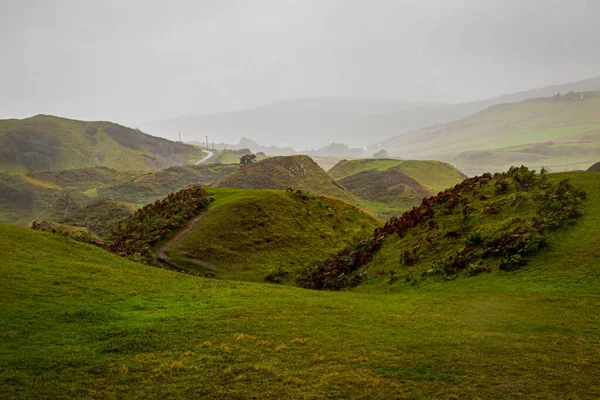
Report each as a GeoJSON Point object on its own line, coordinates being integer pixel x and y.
{"type": "Point", "coordinates": [209, 154]}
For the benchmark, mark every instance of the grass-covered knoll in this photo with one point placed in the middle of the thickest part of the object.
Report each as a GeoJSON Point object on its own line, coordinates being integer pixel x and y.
{"type": "Point", "coordinates": [46, 142]}
{"type": "Point", "coordinates": [433, 175]}
{"type": "Point", "coordinates": [502, 126]}
{"type": "Point", "coordinates": [76, 321]}
{"type": "Point", "coordinates": [388, 187]}
{"type": "Point", "coordinates": [152, 186]}
{"type": "Point", "coordinates": [296, 172]}
{"type": "Point", "coordinates": [250, 234]}
{"type": "Point", "coordinates": [483, 224]}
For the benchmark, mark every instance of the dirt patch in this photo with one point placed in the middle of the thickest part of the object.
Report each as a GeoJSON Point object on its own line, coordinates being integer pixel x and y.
{"type": "Point", "coordinates": [162, 253]}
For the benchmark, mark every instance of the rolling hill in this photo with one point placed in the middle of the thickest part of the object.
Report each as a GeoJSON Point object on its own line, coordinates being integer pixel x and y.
{"type": "Point", "coordinates": [594, 168]}
{"type": "Point", "coordinates": [486, 224]}
{"type": "Point", "coordinates": [250, 234]}
{"type": "Point", "coordinates": [46, 142]}
{"type": "Point", "coordinates": [315, 122]}
{"type": "Point", "coordinates": [554, 132]}
{"type": "Point", "coordinates": [296, 172]}
{"type": "Point", "coordinates": [388, 187]}
{"type": "Point", "coordinates": [77, 321]}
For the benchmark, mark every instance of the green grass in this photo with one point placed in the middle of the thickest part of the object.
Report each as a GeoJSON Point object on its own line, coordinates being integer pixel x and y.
{"type": "Point", "coordinates": [46, 142]}
{"type": "Point", "coordinates": [246, 234]}
{"type": "Point", "coordinates": [502, 126]}
{"type": "Point", "coordinates": [76, 321]}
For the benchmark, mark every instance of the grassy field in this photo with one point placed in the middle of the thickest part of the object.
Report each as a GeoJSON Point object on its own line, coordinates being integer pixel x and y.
{"type": "Point", "coordinates": [76, 321]}
{"type": "Point", "coordinates": [504, 126]}
{"type": "Point", "coordinates": [248, 234]}
{"type": "Point", "coordinates": [46, 142]}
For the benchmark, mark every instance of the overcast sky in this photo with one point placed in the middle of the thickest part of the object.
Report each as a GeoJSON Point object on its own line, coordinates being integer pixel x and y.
{"type": "Point", "coordinates": [140, 60]}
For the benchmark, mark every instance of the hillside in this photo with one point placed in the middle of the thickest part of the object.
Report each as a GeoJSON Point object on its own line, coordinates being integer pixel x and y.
{"type": "Point", "coordinates": [95, 198]}
{"type": "Point", "coordinates": [594, 168]}
{"type": "Point", "coordinates": [250, 234]}
{"type": "Point", "coordinates": [46, 142]}
{"type": "Point", "coordinates": [491, 137]}
{"type": "Point", "coordinates": [487, 224]}
{"type": "Point", "coordinates": [296, 172]}
{"type": "Point", "coordinates": [388, 187]}
{"type": "Point", "coordinates": [315, 122]}
{"type": "Point", "coordinates": [80, 322]}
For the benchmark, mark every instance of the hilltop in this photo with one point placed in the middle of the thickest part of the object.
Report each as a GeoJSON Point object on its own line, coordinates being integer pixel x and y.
{"type": "Point", "coordinates": [250, 234]}
{"type": "Point", "coordinates": [388, 187]}
{"type": "Point", "coordinates": [555, 132]}
{"type": "Point", "coordinates": [46, 142]}
{"type": "Point", "coordinates": [296, 172]}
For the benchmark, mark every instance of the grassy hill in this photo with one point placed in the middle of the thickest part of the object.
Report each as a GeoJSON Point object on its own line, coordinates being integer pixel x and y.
{"type": "Point", "coordinates": [388, 187]}
{"type": "Point", "coordinates": [489, 224]}
{"type": "Point", "coordinates": [77, 321]}
{"type": "Point", "coordinates": [296, 172]}
{"type": "Point", "coordinates": [570, 121]}
{"type": "Point", "coordinates": [247, 234]}
{"type": "Point", "coordinates": [46, 142]}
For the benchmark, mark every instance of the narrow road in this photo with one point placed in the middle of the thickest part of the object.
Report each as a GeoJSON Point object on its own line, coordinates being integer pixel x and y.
{"type": "Point", "coordinates": [162, 253]}
{"type": "Point", "coordinates": [209, 154]}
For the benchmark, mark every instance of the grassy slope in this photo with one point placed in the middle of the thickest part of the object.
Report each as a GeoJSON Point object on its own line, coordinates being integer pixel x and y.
{"type": "Point", "coordinates": [575, 153]}
{"type": "Point", "coordinates": [52, 143]}
{"type": "Point", "coordinates": [503, 126]}
{"type": "Point", "coordinates": [76, 321]}
{"type": "Point", "coordinates": [297, 172]}
{"type": "Point", "coordinates": [571, 258]}
{"type": "Point", "coordinates": [247, 233]}
{"type": "Point", "coordinates": [388, 187]}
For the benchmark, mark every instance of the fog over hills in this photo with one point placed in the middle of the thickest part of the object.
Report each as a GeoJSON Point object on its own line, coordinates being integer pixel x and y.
{"type": "Point", "coordinates": [315, 122]}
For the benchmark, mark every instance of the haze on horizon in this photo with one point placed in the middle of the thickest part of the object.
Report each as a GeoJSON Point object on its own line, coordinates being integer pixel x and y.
{"type": "Point", "coordinates": [132, 61]}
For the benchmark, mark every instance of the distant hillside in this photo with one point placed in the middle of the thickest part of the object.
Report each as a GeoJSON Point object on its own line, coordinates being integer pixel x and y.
{"type": "Point", "coordinates": [46, 142]}
{"type": "Point", "coordinates": [95, 198]}
{"type": "Point", "coordinates": [389, 187]}
{"type": "Point", "coordinates": [571, 120]}
{"type": "Point", "coordinates": [296, 172]}
{"type": "Point", "coordinates": [594, 168]}
{"type": "Point", "coordinates": [267, 234]}
{"type": "Point", "coordinates": [315, 122]}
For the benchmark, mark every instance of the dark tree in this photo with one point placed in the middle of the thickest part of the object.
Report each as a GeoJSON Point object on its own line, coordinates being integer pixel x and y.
{"type": "Point", "coordinates": [247, 159]}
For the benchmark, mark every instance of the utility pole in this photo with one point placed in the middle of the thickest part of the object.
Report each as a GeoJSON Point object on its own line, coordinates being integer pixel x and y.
{"type": "Point", "coordinates": [179, 137]}
{"type": "Point", "coordinates": [207, 143]}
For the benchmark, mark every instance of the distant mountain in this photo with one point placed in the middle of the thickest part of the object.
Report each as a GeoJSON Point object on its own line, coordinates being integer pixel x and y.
{"type": "Point", "coordinates": [315, 122]}
{"type": "Point", "coordinates": [559, 132]}
{"type": "Point", "coordinates": [46, 142]}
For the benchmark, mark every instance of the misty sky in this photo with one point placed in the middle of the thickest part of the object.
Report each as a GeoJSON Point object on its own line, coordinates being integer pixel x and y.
{"type": "Point", "coordinates": [143, 60]}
